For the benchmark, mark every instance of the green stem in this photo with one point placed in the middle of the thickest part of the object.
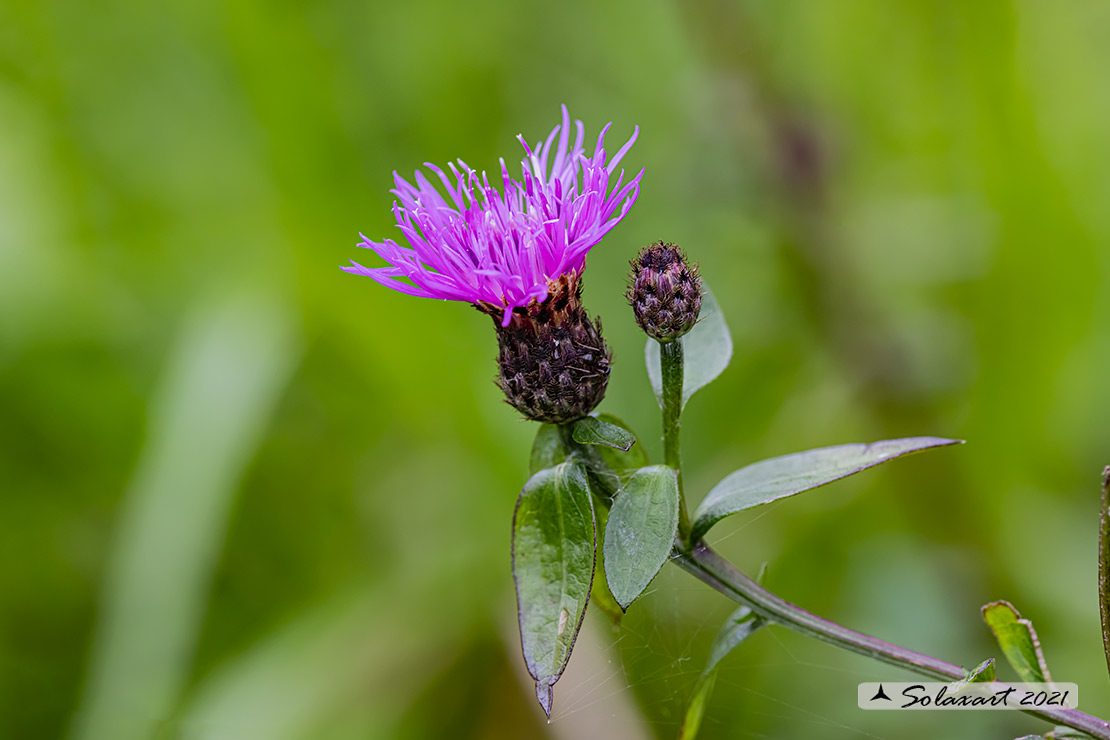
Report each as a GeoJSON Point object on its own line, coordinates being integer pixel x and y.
{"type": "Point", "coordinates": [670, 360]}
{"type": "Point", "coordinates": [721, 575]}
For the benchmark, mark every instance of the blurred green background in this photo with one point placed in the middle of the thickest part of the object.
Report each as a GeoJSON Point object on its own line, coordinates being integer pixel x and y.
{"type": "Point", "coordinates": [246, 495]}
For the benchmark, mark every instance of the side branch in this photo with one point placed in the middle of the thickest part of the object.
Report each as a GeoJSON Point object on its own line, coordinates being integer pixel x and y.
{"type": "Point", "coordinates": [721, 575]}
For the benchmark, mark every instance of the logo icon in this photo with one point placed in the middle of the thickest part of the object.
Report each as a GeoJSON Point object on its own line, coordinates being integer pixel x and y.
{"type": "Point", "coordinates": [880, 694]}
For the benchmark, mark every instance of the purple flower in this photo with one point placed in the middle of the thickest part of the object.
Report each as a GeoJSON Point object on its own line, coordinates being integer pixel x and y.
{"type": "Point", "coordinates": [501, 249]}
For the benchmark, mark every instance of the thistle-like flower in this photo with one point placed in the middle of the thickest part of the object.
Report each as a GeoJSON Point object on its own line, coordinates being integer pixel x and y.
{"type": "Point", "coordinates": [517, 254]}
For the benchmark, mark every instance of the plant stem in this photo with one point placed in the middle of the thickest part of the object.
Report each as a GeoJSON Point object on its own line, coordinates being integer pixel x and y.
{"type": "Point", "coordinates": [721, 575]}
{"type": "Point", "coordinates": [670, 361]}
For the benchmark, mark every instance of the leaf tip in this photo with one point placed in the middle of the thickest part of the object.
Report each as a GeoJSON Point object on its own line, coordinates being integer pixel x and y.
{"type": "Point", "coordinates": [944, 441]}
{"type": "Point", "coordinates": [1000, 604]}
{"type": "Point", "coordinates": [545, 694]}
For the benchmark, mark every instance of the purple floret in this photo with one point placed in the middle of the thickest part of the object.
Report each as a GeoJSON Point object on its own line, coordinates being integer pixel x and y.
{"type": "Point", "coordinates": [502, 248]}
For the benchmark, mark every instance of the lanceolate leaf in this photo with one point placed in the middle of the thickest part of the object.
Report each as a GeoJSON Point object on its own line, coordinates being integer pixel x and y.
{"type": "Point", "coordinates": [641, 531]}
{"type": "Point", "coordinates": [1018, 641]}
{"type": "Point", "coordinates": [769, 480]}
{"type": "Point", "coordinates": [547, 449]}
{"type": "Point", "coordinates": [707, 350]}
{"type": "Point", "coordinates": [553, 566]}
{"type": "Point", "coordinates": [593, 431]}
{"type": "Point", "coordinates": [737, 628]}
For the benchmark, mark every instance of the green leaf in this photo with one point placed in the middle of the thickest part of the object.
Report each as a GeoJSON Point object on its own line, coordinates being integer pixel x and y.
{"type": "Point", "coordinates": [1018, 641]}
{"type": "Point", "coordinates": [593, 431]}
{"type": "Point", "coordinates": [611, 467]}
{"type": "Point", "coordinates": [1104, 564]}
{"type": "Point", "coordinates": [600, 595]}
{"type": "Point", "coordinates": [547, 449]}
{"type": "Point", "coordinates": [982, 673]}
{"type": "Point", "coordinates": [1063, 732]}
{"type": "Point", "coordinates": [554, 541]}
{"type": "Point", "coordinates": [695, 710]}
{"type": "Point", "coordinates": [707, 350]}
{"type": "Point", "coordinates": [641, 531]}
{"type": "Point", "coordinates": [737, 628]}
{"type": "Point", "coordinates": [769, 480]}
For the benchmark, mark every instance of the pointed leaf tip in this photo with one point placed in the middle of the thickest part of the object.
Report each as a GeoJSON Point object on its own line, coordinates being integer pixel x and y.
{"type": "Point", "coordinates": [553, 548]}
{"type": "Point", "coordinates": [545, 694]}
{"type": "Point", "coordinates": [982, 673]}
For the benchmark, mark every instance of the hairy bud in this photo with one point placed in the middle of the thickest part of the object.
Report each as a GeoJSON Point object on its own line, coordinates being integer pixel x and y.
{"type": "Point", "coordinates": [665, 292]}
{"type": "Point", "coordinates": [554, 364]}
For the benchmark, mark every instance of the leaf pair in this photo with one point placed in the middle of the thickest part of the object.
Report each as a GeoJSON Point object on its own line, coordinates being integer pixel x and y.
{"type": "Point", "coordinates": [555, 529]}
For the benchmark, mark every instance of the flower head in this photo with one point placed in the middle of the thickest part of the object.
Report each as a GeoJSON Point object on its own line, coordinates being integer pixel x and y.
{"type": "Point", "coordinates": [503, 249]}
{"type": "Point", "coordinates": [664, 291]}
{"type": "Point", "coordinates": [553, 362]}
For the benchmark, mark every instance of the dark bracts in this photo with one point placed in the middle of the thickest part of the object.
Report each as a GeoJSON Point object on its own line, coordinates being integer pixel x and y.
{"type": "Point", "coordinates": [554, 365]}
{"type": "Point", "coordinates": [665, 292]}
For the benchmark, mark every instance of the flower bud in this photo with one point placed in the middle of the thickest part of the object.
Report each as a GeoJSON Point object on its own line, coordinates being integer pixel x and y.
{"type": "Point", "coordinates": [665, 292]}
{"type": "Point", "coordinates": [554, 365]}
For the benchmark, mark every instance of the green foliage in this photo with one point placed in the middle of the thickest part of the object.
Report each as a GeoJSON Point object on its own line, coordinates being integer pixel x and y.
{"type": "Point", "coordinates": [601, 597]}
{"type": "Point", "coordinates": [554, 539]}
{"type": "Point", "coordinates": [707, 350]}
{"type": "Point", "coordinates": [769, 480]}
{"type": "Point", "coordinates": [611, 467]}
{"type": "Point", "coordinates": [982, 673]}
{"type": "Point", "coordinates": [912, 244]}
{"type": "Point", "coordinates": [738, 627]}
{"type": "Point", "coordinates": [1018, 641]}
{"type": "Point", "coordinates": [641, 531]}
{"type": "Point", "coordinates": [593, 431]}
{"type": "Point", "coordinates": [547, 449]}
